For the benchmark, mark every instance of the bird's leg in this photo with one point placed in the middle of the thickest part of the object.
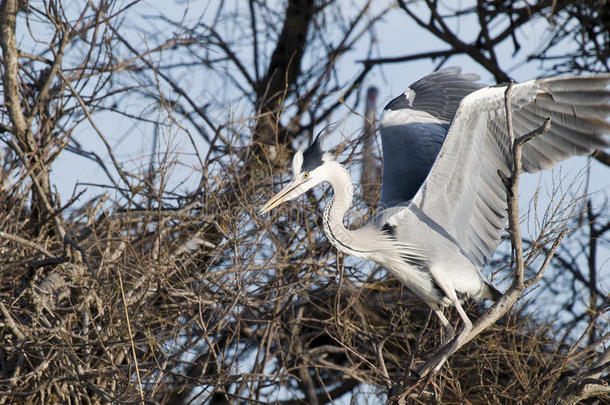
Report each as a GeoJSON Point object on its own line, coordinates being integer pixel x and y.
{"type": "Point", "coordinates": [449, 331]}
{"type": "Point", "coordinates": [436, 362]}
{"type": "Point", "coordinates": [467, 323]}
{"type": "Point", "coordinates": [455, 343]}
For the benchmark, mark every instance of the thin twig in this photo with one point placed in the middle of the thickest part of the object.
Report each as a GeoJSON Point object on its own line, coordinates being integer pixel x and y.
{"type": "Point", "coordinates": [133, 346]}
{"type": "Point", "coordinates": [25, 242]}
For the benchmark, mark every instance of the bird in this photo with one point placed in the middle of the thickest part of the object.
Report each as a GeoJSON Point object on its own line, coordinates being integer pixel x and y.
{"type": "Point", "coordinates": [443, 203]}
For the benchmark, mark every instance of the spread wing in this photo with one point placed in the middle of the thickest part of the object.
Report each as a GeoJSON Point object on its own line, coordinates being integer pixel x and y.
{"type": "Point", "coordinates": [463, 198]}
{"type": "Point", "coordinates": [413, 128]}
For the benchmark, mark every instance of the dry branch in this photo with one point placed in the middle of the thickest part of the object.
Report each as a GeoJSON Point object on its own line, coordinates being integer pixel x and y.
{"type": "Point", "coordinates": [180, 280]}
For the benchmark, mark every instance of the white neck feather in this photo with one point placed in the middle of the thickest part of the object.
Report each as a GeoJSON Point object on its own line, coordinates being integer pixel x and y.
{"type": "Point", "coordinates": [342, 238]}
{"type": "Point", "coordinates": [367, 242]}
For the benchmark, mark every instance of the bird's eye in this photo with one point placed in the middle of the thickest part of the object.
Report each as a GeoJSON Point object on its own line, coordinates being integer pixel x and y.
{"type": "Point", "coordinates": [306, 175]}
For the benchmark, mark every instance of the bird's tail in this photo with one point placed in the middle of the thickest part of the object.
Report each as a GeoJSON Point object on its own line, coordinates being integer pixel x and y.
{"type": "Point", "coordinates": [490, 292]}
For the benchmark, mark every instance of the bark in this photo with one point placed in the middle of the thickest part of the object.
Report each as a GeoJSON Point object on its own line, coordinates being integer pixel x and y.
{"type": "Point", "coordinates": [25, 146]}
{"type": "Point", "coordinates": [283, 71]}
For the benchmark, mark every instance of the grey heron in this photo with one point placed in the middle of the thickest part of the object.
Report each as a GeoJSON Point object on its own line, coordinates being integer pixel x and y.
{"type": "Point", "coordinates": [443, 204]}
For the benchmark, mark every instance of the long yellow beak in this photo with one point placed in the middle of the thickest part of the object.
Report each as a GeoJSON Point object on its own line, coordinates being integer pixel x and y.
{"type": "Point", "coordinates": [283, 195]}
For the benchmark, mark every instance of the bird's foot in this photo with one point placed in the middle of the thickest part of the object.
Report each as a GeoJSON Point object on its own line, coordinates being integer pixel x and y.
{"type": "Point", "coordinates": [401, 390]}
{"type": "Point", "coordinates": [434, 363]}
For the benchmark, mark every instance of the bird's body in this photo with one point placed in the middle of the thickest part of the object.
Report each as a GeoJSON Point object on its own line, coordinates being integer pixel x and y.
{"type": "Point", "coordinates": [393, 239]}
{"type": "Point", "coordinates": [443, 204]}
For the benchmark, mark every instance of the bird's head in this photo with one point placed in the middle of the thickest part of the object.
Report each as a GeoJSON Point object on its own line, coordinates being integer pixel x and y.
{"type": "Point", "coordinates": [310, 167]}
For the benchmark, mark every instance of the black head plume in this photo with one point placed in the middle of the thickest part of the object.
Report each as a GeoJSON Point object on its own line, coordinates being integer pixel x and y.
{"type": "Point", "coordinates": [312, 156]}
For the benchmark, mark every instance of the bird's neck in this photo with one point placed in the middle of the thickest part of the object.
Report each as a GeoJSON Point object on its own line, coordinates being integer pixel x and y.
{"type": "Point", "coordinates": [341, 237]}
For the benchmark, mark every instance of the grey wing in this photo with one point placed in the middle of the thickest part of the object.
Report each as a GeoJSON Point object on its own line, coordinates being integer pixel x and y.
{"type": "Point", "coordinates": [413, 128]}
{"type": "Point", "coordinates": [463, 199]}
{"type": "Point", "coordinates": [440, 93]}
{"type": "Point", "coordinates": [578, 107]}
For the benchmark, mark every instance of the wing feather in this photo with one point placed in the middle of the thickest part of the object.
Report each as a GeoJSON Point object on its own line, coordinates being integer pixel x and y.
{"type": "Point", "coordinates": [463, 196]}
